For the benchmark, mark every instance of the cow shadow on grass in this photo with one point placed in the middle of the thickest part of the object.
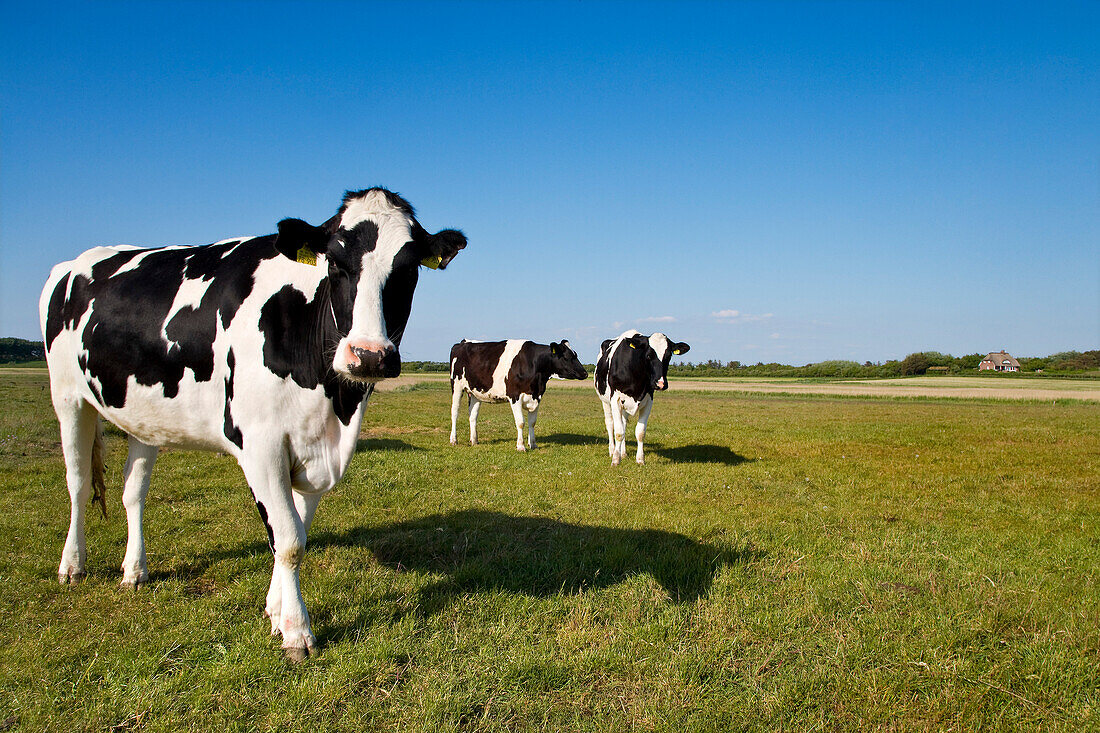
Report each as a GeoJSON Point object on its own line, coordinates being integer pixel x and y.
{"type": "Point", "coordinates": [482, 551]}
{"type": "Point", "coordinates": [386, 444]}
{"type": "Point", "coordinates": [699, 453]}
{"type": "Point", "coordinates": [570, 439]}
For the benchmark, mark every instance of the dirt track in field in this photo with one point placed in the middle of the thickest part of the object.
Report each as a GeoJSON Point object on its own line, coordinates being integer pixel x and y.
{"type": "Point", "coordinates": [959, 387]}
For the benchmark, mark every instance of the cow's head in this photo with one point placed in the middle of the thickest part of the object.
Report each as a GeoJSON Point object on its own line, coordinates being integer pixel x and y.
{"type": "Point", "coordinates": [661, 351]}
{"type": "Point", "coordinates": [564, 362]}
{"type": "Point", "coordinates": [373, 249]}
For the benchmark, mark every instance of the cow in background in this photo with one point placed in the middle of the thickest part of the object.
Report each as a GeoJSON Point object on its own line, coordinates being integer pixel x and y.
{"type": "Point", "coordinates": [266, 348]}
{"type": "Point", "coordinates": [630, 368]}
{"type": "Point", "coordinates": [515, 371]}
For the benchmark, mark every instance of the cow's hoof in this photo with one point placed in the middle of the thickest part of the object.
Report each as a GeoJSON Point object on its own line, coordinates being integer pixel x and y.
{"type": "Point", "coordinates": [521, 448]}
{"type": "Point", "coordinates": [454, 442]}
{"type": "Point", "coordinates": [297, 654]}
{"type": "Point", "coordinates": [614, 460]}
{"type": "Point", "coordinates": [640, 461]}
{"type": "Point", "coordinates": [134, 583]}
{"type": "Point", "coordinates": [72, 577]}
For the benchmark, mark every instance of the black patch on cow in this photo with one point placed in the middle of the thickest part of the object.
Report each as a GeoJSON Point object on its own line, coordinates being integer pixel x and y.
{"type": "Point", "coordinates": [300, 339]}
{"type": "Point", "coordinates": [267, 525]}
{"type": "Point", "coordinates": [123, 334]}
{"type": "Point", "coordinates": [232, 432]}
{"type": "Point", "coordinates": [55, 311]}
{"type": "Point", "coordinates": [397, 295]}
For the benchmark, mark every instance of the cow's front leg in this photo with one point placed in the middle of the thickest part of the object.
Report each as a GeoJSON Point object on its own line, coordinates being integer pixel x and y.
{"type": "Point", "coordinates": [517, 413]}
{"type": "Point", "coordinates": [532, 418]}
{"type": "Point", "coordinates": [609, 423]}
{"type": "Point", "coordinates": [269, 478]}
{"type": "Point", "coordinates": [306, 506]}
{"type": "Point", "coordinates": [618, 418]}
{"type": "Point", "coordinates": [139, 466]}
{"type": "Point", "coordinates": [639, 429]}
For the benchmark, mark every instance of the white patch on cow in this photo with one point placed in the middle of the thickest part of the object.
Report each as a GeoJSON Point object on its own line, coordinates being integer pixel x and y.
{"type": "Point", "coordinates": [660, 343]}
{"type": "Point", "coordinates": [371, 205]}
{"type": "Point", "coordinates": [189, 295]}
{"type": "Point", "coordinates": [85, 261]}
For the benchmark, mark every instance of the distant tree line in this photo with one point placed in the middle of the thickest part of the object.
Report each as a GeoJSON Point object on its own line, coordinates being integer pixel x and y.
{"type": "Point", "coordinates": [20, 350]}
{"type": "Point", "coordinates": [921, 362]}
{"type": "Point", "coordinates": [14, 350]}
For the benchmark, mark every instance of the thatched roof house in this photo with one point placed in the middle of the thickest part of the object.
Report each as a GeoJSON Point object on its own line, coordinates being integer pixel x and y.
{"type": "Point", "coordinates": [1000, 361]}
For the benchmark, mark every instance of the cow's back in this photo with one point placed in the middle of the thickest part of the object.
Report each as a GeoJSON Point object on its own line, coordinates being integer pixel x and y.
{"type": "Point", "coordinates": [160, 340]}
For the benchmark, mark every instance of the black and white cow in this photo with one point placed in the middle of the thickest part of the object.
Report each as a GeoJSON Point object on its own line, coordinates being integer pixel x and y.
{"type": "Point", "coordinates": [515, 371]}
{"type": "Point", "coordinates": [630, 368]}
{"type": "Point", "coordinates": [265, 348]}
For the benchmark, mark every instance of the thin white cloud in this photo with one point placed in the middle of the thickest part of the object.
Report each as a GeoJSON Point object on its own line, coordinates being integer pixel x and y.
{"type": "Point", "coordinates": [657, 319]}
{"type": "Point", "coordinates": [774, 336]}
{"type": "Point", "coordinates": [736, 316]}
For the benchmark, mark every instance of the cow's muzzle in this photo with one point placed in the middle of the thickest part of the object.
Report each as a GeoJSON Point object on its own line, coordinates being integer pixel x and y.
{"type": "Point", "coordinates": [662, 384]}
{"type": "Point", "coordinates": [371, 361]}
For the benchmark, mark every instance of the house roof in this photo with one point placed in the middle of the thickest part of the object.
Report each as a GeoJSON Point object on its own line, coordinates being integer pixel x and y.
{"type": "Point", "coordinates": [1001, 358]}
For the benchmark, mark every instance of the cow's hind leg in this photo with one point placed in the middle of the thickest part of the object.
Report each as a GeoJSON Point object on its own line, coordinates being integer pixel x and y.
{"type": "Point", "coordinates": [456, 403]}
{"type": "Point", "coordinates": [79, 423]}
{"type": "Point", "coordinates": [532, 418]}
{"type": "Point", "coordinates": [269, 478]}
{"type": "Point", "coordinates": [475, 407]}
{"type": "Point", "coordinates": [517, 413]}
{"type": "Point", "coordinates": [139, 466]}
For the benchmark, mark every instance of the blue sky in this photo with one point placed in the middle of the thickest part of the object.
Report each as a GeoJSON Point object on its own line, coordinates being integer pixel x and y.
{"type": "Point", "coordinates": [771, 181]}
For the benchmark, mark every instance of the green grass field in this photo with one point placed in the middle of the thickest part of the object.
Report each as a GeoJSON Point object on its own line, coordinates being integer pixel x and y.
{"type": "Point", "coordinates": [780, 563]}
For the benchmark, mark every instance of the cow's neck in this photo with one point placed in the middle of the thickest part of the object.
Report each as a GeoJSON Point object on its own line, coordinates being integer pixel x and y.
{"type": "Point", "coordinates": [544, 367]}
{"type": "Point", "coordinates": [346, 396]}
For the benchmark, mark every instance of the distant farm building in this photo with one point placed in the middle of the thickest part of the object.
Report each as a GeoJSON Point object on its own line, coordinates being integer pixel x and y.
{"type": "Point", "coordinates": [1000, 361]}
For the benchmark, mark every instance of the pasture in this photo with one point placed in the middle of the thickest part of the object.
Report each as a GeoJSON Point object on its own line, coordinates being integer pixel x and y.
{"type": "Point", "coordinates": [781, 562]}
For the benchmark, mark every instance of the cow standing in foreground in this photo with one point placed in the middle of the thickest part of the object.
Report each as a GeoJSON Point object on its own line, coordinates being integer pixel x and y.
{"type": "Point", "coordinates": [630, 368]}
{"type": "Point", "coordinates": [266, 348]}
{"type": "Point", "coordinates": [515, 371]}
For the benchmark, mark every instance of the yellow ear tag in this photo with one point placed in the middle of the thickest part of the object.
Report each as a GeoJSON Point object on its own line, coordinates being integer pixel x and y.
{"type": "Point", "coordinates": [675, 351]}
{"type": "Point", "coordinates": [632, 345]}
{"type": "Point", "coordinates": [306, 256]}
{"type": "Point", "coordinates": [432, 261]}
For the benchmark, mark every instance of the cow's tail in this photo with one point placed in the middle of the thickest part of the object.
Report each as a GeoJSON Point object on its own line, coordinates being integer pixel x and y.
{"type": "Point", "coordinates": [99, 482]}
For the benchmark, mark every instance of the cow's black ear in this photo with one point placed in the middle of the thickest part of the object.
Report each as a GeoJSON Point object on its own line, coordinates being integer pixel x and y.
{"type": "Point", "coordinates": [680, 348]}
{"type": "Point", "coordinates": [298, 240]}
{"type": "Point", "coordinates": [606, 345]}
{"type": "Point", "coordinates": [555, 349]}
{"type": "Point", "coordinates": [442, 248]}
